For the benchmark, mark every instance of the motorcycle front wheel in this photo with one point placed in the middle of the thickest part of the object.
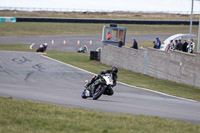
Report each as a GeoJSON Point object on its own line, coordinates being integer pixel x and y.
{"type": "Point", "coordinates": [84, 95]}
{"type": "Point", "coordinates": [98, 92]}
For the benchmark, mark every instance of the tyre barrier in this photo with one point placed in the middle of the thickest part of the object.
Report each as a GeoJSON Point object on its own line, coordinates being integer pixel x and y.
{"type": "Point", "coordinates": [94, 55]}
{"type": "Point", "coordinates": [66, 20]}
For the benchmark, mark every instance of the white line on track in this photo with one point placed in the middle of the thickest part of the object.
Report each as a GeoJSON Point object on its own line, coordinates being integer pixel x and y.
{"type": "Point", "coordinates": [121, 82]}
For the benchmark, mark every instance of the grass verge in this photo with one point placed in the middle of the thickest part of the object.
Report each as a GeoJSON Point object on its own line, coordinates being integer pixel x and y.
{"type": "Point", "coordinates": [19, 116]}
{"type": "Point", "coordinates": [56, 29]}
{"type": "Point", "coordinates": [136, 79]}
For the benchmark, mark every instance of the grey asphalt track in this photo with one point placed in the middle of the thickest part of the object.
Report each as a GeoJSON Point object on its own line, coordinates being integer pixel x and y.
{"type": "Point", "coordinates": [71, 41]}
{"type": "Point", "coordinates": [27, 75]}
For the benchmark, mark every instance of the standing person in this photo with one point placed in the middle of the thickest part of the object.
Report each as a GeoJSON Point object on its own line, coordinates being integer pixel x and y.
{"type": "Point", "coordinates": [135, 44]}
{"type": "Point", "coordinates": [109, 36]}
{"type": "Point", "coordinates": [158, 43]}
{"type": "Point", "coordinates": [120, 43]}
{"type": "Point", "coordinates": [168, 47]}
{"type": "Point", "coordinates": [185, 44]}
{"type": "Point", "coordinates": [179, 45]}
{"type": "Point", "coordinates": [171, 45]}
{"type": "Point", "coordinates": [176, 45]}
{"type": "Point", "coordinates": [191, 47]}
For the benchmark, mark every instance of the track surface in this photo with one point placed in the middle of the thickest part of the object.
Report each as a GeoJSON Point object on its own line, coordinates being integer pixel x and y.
{"type": "Point", "coordinates": [71, 41]}
{"type": "Point", "coordinates": [33, 77]}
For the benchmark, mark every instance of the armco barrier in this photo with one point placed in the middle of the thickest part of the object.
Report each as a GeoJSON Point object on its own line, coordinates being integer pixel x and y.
{"type": "Point", "coordinates": [66, 20]}
{"type": "Point", "coordinates": [173, 66]}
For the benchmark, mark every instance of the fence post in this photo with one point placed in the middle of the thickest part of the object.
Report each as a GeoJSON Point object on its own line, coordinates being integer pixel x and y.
{"type": "Point", "coordinates": [145, 62]}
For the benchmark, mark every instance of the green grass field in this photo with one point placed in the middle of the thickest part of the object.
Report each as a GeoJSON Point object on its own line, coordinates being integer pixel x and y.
{"type": "Point", "coordinates": [56, 29]}
{"type": "Point", "coordinates": [21, 116]}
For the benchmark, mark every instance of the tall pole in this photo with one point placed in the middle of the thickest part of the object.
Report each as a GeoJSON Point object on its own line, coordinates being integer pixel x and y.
{"type": "Point", "coordinates": [198, 47]}
{"type": "Point", "coordinates": [191, 16]}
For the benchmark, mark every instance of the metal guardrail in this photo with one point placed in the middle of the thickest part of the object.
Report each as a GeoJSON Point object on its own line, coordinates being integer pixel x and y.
{"type": "Point", "coordinates": [67, 20]}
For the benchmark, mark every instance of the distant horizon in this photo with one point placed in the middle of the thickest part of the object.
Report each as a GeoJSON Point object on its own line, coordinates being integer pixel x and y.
{"type": "Point", "coordinates": [169, 6]}
{"type": "Point", "coordinates": [89, 10]}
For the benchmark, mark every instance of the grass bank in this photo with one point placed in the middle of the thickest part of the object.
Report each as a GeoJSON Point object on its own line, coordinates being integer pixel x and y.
{"type": "Point", "coordinates": [136, 79]}
{"type": "Point", "coordinates": [58, 29]}
{"type": "Point", "coordinates": [20, 116]}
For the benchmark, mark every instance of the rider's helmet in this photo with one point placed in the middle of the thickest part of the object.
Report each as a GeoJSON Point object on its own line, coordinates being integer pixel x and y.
{"type": "Point", "coordinates": [114, 69]}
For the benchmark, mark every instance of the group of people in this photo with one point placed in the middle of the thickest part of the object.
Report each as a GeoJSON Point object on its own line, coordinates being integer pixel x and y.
{"type": "Point", "coordinates": [186, 46]}
{"type": "Point", "coordinates": [157, 43]}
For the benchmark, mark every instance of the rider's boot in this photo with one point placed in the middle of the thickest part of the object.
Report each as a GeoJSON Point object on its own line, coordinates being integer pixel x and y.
{"type": "Point", "coordinates": [87, 83]}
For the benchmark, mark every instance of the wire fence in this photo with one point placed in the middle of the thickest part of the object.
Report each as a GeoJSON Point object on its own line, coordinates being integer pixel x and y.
{"type": "Point", "coordinates": [31, 9]}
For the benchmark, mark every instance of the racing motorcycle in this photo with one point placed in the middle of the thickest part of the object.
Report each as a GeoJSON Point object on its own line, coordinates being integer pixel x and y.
{"type": "Point", "coordinates": [98, 87]}
{"type": "Point", "coordinates": [83, 49]}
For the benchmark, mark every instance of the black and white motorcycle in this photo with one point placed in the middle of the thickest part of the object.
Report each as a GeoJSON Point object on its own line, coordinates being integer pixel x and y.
{"type": "Point", "coordinates": [83, 49]}
{"type": "Point", "coordinates": [98, 87]}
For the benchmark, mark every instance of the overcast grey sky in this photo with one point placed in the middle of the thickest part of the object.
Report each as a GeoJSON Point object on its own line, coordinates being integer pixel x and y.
{"type": "Point", "coordinates": [125, 5]}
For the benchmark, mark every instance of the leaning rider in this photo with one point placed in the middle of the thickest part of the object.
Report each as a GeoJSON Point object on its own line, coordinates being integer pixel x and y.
{"type": "Point", "coordinates": [42, 47]}
{"type": "Point", "coordinates": [112, 71]}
